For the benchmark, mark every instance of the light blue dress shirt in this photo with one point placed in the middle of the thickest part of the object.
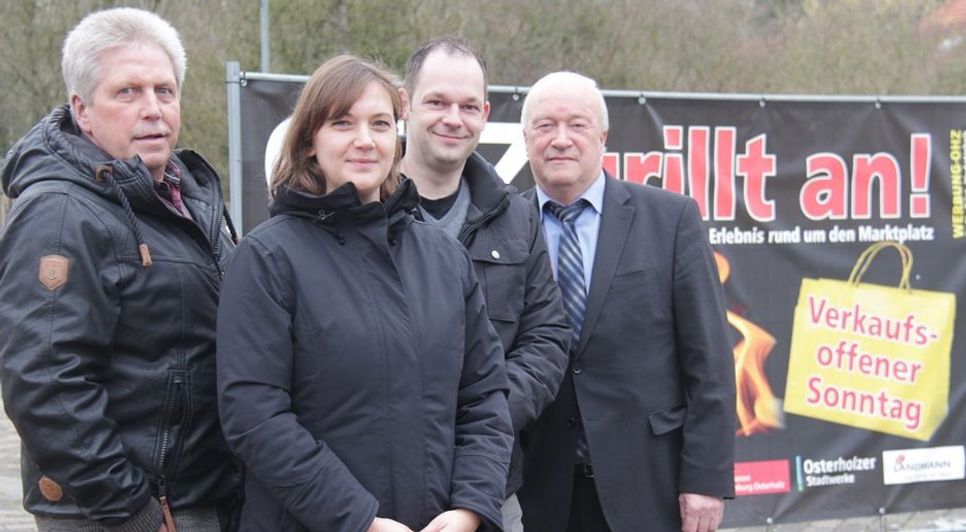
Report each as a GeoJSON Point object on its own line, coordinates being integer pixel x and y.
{"type": "Point", "coordinates": [587, 226]}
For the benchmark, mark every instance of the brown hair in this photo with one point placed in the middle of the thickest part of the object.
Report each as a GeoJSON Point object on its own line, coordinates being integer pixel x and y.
{"type": "Point", "coordinates": [331, 91]}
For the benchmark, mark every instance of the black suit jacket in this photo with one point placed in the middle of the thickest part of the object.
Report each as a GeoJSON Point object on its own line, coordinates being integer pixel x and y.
{"type": "Point", "coordinates": [652, 376]}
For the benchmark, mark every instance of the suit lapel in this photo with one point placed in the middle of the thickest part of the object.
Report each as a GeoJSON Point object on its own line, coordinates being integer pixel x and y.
{"type": "Point", "coordinates": [615, 226]}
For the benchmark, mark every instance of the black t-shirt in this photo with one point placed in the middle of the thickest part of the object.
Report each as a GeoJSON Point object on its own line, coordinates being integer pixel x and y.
{"type": "Point", "coordinates": [439, 207]}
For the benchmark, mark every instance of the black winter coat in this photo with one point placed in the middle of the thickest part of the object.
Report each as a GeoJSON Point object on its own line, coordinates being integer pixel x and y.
{"type": "Point", "coordinates": [503, 236]}
{"type": "Point", "coordinates": [358, 373]}
{"type": "Point", "coordinates": [108, 366]}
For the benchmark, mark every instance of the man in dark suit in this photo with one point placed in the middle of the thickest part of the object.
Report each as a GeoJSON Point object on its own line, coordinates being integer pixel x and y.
{"type": "Point", "coordinates": [641, 435]}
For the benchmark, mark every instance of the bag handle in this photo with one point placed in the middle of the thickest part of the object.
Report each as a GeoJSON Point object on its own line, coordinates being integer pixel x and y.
{"type": "Point", "coordinates": [865, 260]}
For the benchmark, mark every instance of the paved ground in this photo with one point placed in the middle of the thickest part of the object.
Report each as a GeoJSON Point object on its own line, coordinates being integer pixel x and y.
{"type": "Point", "coordinates": [931, 521]}
{"type": "Point", "coordinates": [14, 519]}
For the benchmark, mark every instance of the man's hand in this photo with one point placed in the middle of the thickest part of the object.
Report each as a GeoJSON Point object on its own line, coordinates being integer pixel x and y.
{"type": "Point", "coordinates": [381, 524]}
{"type": "Point", "coordinates": [454, 521]}
{"type": "Point", "coordinates": [700, 513]}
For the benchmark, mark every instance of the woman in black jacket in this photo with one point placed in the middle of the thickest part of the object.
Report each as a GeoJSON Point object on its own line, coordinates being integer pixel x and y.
{"type": "Point", "coordinates": [359, 378]}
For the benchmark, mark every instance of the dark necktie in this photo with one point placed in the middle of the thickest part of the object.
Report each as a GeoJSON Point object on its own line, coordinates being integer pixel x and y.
{"type": "Point", "coordinates": [570, 278]}
{"type": "Point", "coordinates": [570, 265]}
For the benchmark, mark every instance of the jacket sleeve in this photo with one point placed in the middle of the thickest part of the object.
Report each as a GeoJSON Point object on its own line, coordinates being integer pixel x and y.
{"type": "Point", "coordinates": [538, 357]}
{"type": "Point", "coordinates": [255, 364]}
{"type": "Point", "coordinates": [483, 430]}
{"type": "Point", "coordinates": [57, 320]}
{"type": "Point", "coordinates": [707, 456]}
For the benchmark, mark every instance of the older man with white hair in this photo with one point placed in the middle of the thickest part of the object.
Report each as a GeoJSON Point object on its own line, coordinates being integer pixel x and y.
{"type": "Point", "coordinates": [110, 265]}
{"type": "Point", "coordinates": [641, 435]}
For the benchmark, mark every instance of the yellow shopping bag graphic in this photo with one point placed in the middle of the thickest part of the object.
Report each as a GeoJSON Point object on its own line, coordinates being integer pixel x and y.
{"type": "Point", "coordinates": [870, 356]}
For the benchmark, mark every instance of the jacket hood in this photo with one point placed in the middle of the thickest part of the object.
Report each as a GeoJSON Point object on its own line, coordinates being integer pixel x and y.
{"type": "Point", "coordinates": [343, 204]}
{"type": "Point", "coordinates": [487, 188]}
{"type": "Point", "coordinates": [56, 149]}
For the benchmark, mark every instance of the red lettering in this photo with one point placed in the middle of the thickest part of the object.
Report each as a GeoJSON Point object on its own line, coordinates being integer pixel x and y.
{"type": "Point", "coordinates": [824, 356]}
{"type": "Point", "coordinates": [832, 318]}
{"type": "Point", "coordinates": [641, 167]}
{"type": "Point", "coordinates": [859, 326]}
{"type": "Point", "coordinates": [814, 392]}
{"type": "Point", "coordinates": [612, 164]}
{"type": "Point", "coordinates": [816, 313]}
{"type": "Point", "coordinates": [920, 158]}
{"type": "Point", "coordinates": [881, 167]}
{"type": "Point", "coordinates": [756, 165]}
{"type": "Point", "coordinates": [673, 162]}
{"type": "Point", "coordinates": [698, 168]}
{"type": "Point", "coordinates": [824, 195]}
{"type": "Point", "coordinates": [673, 137]}
{"type": "Point", "coordinates": [724, 173]}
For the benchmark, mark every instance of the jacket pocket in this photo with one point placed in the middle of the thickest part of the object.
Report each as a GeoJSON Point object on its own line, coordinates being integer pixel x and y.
{"type": "Point", "coordinates": [174, 417]}
{"type": "Point", "coordinates": [636, 281]}
{"type": "Point", "coordinates": [664, 421]}
{"type": "Point", "coordinates": [501, 269]}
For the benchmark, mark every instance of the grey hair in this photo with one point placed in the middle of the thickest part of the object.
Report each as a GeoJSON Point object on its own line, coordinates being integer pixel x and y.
{"type": "Point", "coordinates": [114, 28]}
{"type": "Point", "coordinates": [552, 81]}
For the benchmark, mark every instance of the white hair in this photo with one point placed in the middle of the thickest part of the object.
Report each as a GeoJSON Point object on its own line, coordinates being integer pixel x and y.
{"type": "Point", "coordinates": [110, 29]}
{"type": "Point", "coordinates": [554, 81]}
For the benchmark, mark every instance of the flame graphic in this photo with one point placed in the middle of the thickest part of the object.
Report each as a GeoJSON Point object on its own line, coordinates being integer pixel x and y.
{"type": "Point", "coordinates": [758, 408]}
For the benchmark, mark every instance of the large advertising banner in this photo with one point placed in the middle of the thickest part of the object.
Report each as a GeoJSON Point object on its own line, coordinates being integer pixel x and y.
{"type": "Point", "coordinates": [838, 226]}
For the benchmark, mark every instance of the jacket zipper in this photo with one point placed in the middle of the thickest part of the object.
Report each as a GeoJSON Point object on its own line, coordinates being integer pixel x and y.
{"type": "Point", "coordinates": [168, 420]}
{"type": "Point", "coordinates": [215, 229]}
{"type": "Point", "coordinates": [468, 231]}
{"type": "Point", "coordinates": [213, 249]}
{"type": "Point", "coordinates": [165, 507]}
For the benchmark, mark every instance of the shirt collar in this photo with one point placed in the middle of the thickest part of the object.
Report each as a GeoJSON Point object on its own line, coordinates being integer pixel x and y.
{"type": "Point", "coordinates": [594, 194]}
